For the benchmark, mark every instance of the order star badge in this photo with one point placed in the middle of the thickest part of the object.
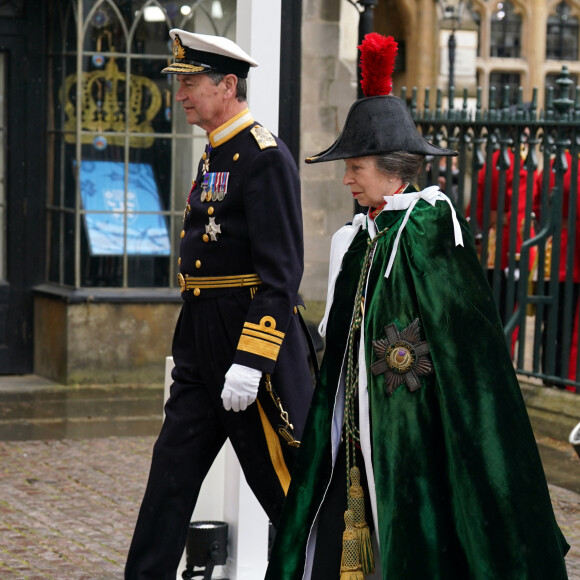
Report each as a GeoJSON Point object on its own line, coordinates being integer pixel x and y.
{"type": "Point", "coordinates": [213, 229]}
{"type": "Point", "coordinates": [402, 357]}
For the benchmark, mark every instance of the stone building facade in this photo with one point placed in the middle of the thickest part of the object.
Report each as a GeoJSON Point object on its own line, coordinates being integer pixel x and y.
{"type": "Point", "coordinates": [76, 311]}
{"type": "Point", "coordinates": [499, 42]}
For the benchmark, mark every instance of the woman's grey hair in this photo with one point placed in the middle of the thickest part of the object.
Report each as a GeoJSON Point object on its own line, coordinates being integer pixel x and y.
{"type": "Point", "coordinates": [401, 164]}
{"type": "Point", "coordinates": [241, 89]}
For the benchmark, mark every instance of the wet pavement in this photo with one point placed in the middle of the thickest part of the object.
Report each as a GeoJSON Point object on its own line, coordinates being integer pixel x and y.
{"type": "Point", "coordinates": [68, 505]}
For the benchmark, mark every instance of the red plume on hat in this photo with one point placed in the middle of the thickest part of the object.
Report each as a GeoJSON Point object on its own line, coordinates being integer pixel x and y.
{"type": "Point", "coordinates": [377, 62]}
{"type": "Point", "coordinates": [378, 123]}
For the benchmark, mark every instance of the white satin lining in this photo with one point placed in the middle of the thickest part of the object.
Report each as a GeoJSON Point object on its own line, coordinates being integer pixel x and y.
{"type": "Point", "coordinates": [341, 240]}
{"type": "Point", "coordinates": [408, 201]}
{"type": "Point", "coordinates": [365, 428]}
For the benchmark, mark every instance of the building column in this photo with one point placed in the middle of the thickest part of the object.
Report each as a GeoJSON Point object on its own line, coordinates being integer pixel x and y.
{"type": "Point", "coordinates": [536, 52]}
{"type": "Point", "coordinates": [263, 44]}
{"type": "Point", "coordinates": [425, 44]}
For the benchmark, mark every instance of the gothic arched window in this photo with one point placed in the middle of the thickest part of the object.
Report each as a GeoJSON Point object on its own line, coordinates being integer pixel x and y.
{"type": "Point", "coordinates": [562, 34]}
{"type": "Point", "coordinates": [120, 151]}
{"type": "Point", "coordinates": [506, 28]}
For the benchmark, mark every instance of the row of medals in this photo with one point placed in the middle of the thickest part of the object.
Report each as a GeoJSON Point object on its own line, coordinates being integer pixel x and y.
{"type": "Point", "coordinates": [208, 193]}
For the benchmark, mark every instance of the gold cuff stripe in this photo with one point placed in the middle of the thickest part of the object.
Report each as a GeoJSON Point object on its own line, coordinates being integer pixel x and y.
{"type": "Point", "coordinates": [262, 336]}
{"type": "Point", "coordinates": [264, 329]}
{"type": "Point", "coordinates": [259, 347]}
{"type": "Point", "coordinates": [275, 450]}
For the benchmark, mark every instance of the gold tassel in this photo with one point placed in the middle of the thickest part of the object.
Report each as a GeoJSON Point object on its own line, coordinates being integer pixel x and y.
{"type": "Point", "coordinates": [350, 568]}
{"type": "Point", "coordinates": [356, 504]}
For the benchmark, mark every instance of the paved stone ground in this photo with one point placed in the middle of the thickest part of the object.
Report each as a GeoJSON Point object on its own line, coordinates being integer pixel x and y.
{"type": "Point", "coordinates": [67, 507]}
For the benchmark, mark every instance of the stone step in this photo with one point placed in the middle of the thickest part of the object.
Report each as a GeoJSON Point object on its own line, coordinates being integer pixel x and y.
{"type": "Point", "coordinates": [79, 428]}
{"type": "Point", "coordinates": [553, 412]}
{"type": "Point", "coordinates": [35, 408]}
{"type": "Point", "coordinates": [81, 402]}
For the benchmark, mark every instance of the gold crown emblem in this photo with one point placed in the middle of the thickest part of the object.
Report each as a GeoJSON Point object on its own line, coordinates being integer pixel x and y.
{"type": "Point", "coordinates": [178, 50]}
{"type": "Point", "coordinates": [102, 110]}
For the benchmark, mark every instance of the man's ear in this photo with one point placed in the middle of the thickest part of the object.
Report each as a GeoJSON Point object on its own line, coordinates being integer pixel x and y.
{"type": "Point", "coordinates": [231, 85]}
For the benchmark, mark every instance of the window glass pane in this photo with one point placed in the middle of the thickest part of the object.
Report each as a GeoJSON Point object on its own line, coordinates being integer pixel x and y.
{"type": "Point", "coordinates": [562, 34]}
{"type": "Point", "coordinates": [122, 155]}
{"type": "Point", "coordinates": [505, 31]}
{"type": "Point", "coordinates": [105, 32]}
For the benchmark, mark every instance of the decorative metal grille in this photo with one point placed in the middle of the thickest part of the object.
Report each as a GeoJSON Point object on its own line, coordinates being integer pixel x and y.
{"type": "Point", "coordinates": [517, 178]}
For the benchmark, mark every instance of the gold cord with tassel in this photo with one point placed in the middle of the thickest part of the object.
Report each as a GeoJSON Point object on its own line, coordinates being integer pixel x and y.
{"type": "Point", "coordinates": [356, 504]}
{"type": "Point", "coordinates": [350, 568]}
{"type": "Point", "coordinates": [356, 538]}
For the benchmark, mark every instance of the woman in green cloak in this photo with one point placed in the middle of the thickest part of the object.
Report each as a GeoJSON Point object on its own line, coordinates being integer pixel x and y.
{"type": "Point", "coordinates": [417, 429]}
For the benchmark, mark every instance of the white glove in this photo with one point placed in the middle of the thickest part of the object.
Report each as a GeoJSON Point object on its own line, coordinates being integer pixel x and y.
{"type": "Point", "coordinates": [241, 387]}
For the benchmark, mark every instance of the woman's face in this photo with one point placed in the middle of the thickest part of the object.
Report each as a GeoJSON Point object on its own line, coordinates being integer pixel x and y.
{"type": "Point", "coordinates": [367, 184]}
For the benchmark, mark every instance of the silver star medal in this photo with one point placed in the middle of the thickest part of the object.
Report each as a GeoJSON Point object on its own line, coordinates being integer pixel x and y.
{"type": "Point", "coordinates": [213, 229]}
{"type": "Point", "coordinates": [402, 357]}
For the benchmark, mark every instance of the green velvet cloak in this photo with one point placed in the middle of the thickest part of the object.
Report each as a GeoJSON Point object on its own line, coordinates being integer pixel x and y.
{"type": "Point", "coordinates": [460, 488]}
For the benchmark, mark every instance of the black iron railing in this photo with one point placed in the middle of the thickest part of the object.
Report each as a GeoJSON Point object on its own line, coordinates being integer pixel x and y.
{"type": "Point", "coordinates": [516, 178]}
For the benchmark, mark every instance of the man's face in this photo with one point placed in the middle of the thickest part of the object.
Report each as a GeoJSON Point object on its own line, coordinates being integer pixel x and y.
{"type": "Point", "coordinates": [202, 100]}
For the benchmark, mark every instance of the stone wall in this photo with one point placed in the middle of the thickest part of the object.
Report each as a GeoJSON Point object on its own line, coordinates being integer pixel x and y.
{"type": "Point", "coordinates": [86, 342]}
{"type": "Point", "coordinates": [328, 91]}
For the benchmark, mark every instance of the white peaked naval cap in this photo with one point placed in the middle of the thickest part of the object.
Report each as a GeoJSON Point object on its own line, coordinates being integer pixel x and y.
{"type": "Point", "coordinates": [201, 53]}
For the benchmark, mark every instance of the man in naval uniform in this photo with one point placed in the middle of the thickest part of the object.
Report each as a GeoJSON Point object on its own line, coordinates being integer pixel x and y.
{"type": "Point", "coordinates": [239, 354]}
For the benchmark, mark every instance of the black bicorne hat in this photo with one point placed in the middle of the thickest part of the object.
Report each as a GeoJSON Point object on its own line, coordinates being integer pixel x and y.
{"type": "Point", "coordinates": [380, 123]}
{"type": "Point", "coordinates": [377, 125]}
